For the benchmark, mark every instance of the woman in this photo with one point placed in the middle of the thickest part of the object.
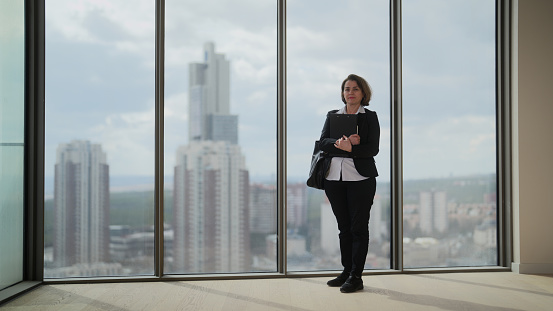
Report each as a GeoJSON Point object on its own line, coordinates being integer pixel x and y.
{"type": "Point", "coordinates": [351, 182]}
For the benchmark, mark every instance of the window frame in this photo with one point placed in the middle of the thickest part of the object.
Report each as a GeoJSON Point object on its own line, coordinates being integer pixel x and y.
{"type": "Point", "coordinates": [34, 153]}
{"type": "Point", "coordinates": [33, 239]}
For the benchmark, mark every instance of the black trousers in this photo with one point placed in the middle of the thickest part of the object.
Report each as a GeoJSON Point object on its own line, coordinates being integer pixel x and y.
{"type": "Point", "coordinates": [351, 203]}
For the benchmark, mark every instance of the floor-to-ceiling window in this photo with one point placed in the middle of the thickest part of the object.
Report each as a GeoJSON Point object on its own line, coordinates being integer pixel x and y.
{"type": "Point", "coordinates": [12, 141]}
{"type": "Point", "coordinates": [449, 133]}
{"type": "Point", "coordinates": [327, 41]}
{"type": "Point", "coordinates": [99, 138]}
{"type": "Point", "coordinates": [220, 136]}
{"type": "Point", "coordinates": [220, 174]}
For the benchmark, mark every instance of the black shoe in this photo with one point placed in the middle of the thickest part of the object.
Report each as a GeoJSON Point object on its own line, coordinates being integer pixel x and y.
{"type": "Point", "coordinates": [339, 281]}
{"type": "Point", "coordinates": [352, 284]}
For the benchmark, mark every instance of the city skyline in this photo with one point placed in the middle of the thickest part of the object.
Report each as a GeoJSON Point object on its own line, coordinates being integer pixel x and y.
{"type": "Point", "coordinates": [418, 250]}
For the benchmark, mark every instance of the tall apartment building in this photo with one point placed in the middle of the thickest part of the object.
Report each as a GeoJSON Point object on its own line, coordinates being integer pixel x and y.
{"type": "Point", "coordinates": [211, 182]}
{"type": "Point", "coordinates": [433, 212]}
{"type": "Point", "coordinates": [81, 205]}
{"type": "Point", "coordinates": [211, 199]}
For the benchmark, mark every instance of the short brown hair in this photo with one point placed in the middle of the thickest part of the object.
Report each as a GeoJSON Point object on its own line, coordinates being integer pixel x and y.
{"type": "Point", "coordinates": [365, 88]}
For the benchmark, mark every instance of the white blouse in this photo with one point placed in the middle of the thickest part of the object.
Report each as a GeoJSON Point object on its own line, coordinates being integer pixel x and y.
{"type": "Point", "coordinates": [344, 167]}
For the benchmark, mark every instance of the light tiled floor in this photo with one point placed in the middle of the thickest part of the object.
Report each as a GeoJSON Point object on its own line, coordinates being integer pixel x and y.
{"type": "Point", "coordinates": [454, 291]}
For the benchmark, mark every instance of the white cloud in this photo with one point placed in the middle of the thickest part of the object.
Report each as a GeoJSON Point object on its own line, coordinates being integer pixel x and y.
{"type": "Point", "coordinates": [128, 140]}
{"type": "Point", "coordinates": [125, 26]}
{"type": "Point", "coordinates": [248, 72]}
{"type": "Point", "coordinates": [258, 97]}
{"type": "Point", "coordinates": [178, 57]}
{"type": "Point", "coordinates": [176, 106]}
{"type": "Point", "coordinates": [307, 41]}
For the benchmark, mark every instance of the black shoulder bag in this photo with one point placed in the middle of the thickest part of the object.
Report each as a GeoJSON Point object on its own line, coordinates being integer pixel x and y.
{"type": "Point", "coordinates": [320, 164]}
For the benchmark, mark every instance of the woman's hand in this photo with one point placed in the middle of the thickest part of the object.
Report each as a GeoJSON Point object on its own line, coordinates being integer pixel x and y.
{"type": "Point", "coordinates": [343, 144]}
{"type": "Point", "coordinates": [354, 139]}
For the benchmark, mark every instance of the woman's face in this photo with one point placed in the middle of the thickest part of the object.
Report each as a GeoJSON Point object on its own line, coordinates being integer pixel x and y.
{"type": "Point", "coordinates": [352, 93]}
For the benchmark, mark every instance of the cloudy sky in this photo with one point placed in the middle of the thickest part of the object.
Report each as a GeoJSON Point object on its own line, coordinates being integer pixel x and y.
{"type": "Point", "coordinates": [100, 78]}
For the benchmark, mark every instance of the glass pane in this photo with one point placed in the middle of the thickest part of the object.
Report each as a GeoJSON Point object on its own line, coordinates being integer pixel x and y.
{"type": "Point", "coordinates": [220, 136]}
{"type": "Point", "coordinates": [11, 214]}
{"type": "Point", "coordinates": [99, 148]}
{"type": "Point", "coordinates": [449, 161]}
{"type": "Point", "coordinates": [12, 71]}
{"type": "Point", "coordinates": [334, 40]}
{"type": "Point", "coordinates": [12, 107]}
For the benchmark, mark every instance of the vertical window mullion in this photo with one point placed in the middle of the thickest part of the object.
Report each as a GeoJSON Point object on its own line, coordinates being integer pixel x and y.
{"type": "Point", "coordinates": [281, 138]}
{"type": "Point", "coordinates": [503, 34]}
{"type": "Point", "coordinates": [396, 154]}
{"type": "Point", "coordinates": [34, 141]}
{"type": "Point", "coordinates": [159, 107]}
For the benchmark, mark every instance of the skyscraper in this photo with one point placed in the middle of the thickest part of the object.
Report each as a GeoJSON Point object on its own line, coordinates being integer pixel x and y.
{"type": "Point", "coordinates": [209, 99]}
{"type": "Point", "coordinates": [211, 220]}
{"type": "Point", "coordinates": [211, 182]}
{"type": "Point", "coordinates": [81, 204]}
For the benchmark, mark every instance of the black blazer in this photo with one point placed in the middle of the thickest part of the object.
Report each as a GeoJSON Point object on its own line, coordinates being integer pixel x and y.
{"type": "Point", "coordinates": [362, 154]}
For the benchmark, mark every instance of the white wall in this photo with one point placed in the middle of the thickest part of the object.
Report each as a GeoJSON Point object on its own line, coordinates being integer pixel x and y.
{"type": "Point", "coordinates": [533, 137]}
